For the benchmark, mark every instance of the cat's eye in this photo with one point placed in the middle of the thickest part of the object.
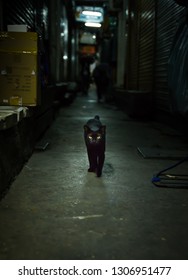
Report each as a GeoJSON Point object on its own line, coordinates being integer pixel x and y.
{"type": "Point", "coordinates": [90, 137]}
{"type": "Point", "coordinates": [98, 137]}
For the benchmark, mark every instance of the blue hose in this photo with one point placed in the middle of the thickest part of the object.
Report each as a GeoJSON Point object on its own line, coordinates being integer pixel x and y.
{"type": "Point", "coordinates": [156, 179]}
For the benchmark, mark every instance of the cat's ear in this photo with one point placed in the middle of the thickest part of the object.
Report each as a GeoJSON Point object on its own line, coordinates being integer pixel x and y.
{"type": "Point", "coordinates": [86, 128]}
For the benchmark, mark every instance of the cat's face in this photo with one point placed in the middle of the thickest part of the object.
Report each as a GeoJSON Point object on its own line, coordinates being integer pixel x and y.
{"type": "Point", "coordinates": [94, 138]}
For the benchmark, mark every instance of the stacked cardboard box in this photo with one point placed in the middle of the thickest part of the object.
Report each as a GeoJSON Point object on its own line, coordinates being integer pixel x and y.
{"type": "Point", "coordinates": [19, 69]}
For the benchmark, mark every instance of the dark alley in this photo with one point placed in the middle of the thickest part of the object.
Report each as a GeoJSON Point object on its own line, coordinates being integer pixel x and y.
{"type": "Point", "coordinates": [55, 209]}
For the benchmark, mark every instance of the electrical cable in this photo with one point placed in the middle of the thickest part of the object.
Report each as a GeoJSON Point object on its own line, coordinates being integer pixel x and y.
{"type": "Point", "coordinates": [161, 179]}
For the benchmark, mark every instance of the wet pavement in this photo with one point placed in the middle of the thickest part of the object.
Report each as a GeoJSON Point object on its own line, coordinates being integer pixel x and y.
{"type": "Point", "coordinates": [55, 209]}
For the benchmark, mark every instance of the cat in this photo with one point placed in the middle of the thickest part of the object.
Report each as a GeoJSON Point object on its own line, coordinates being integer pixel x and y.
{"type": "Point", "coordinates": [95, 140]}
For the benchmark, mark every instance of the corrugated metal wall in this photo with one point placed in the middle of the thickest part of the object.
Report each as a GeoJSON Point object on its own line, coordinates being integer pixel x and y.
{"type": "Point", "coordinates": [132, 50]}
{"type": "Point", "coordinates": [168, 16]}
{"type": "Point", "coordinates": [152, 27]}
{"type": "Point", "coordinates": [141, 38]}
{"type": "Point", "coordinates": [19, 12]}
{"type": "Point", "coordinates": [146, 44]}
{"type": "Point", "coordinates": [29, 12]}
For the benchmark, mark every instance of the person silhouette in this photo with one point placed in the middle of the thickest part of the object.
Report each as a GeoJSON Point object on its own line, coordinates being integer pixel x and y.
{"type": "Point", "coordinates": [101, 76]}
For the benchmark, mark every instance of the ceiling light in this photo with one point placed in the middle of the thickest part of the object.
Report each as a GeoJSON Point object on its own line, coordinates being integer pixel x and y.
{"type": "Point", "coordinates": [92, 24]}
{"type": "Point", "coordinates": [92, 13]}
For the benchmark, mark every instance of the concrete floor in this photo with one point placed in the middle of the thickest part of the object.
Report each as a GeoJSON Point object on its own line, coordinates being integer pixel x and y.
{"type": "Point", "coordinates": [55, 209]}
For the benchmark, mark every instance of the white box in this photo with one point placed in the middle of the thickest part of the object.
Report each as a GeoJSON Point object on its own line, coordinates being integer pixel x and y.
{"type": "Point", "coordinates": [17, 28]}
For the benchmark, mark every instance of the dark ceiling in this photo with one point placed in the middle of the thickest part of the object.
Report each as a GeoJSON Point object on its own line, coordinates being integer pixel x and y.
{"type": "Point", "coordinates": [91, 2]}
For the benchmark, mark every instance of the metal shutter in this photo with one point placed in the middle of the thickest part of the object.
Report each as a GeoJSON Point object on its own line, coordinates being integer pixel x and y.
{"type": "Point", "coordinates": [141, 45]}
{"type": "Point", "coordinates": [168, 16]}
{"type": "Point", "coordinates": [18, 12]}
{"type": "Point", "coordinates": [30, 12]}
{"type": "Point", "coordinates": [146, 44]}
{"type": "Point", "coordinates": [132, 51]}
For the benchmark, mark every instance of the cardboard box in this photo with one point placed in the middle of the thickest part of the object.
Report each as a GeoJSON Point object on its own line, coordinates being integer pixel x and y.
{"type": "Point", "coordinates": [19, 69]}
